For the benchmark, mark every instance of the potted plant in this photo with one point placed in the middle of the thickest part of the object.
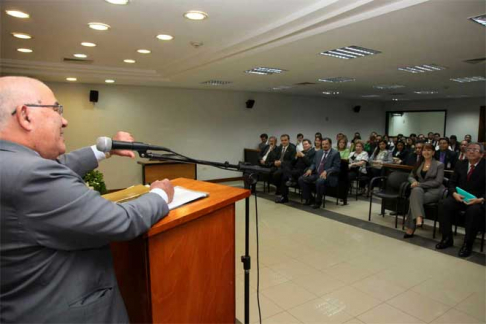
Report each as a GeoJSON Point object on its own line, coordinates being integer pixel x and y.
{"type": "Point", "coordinates": [95, 180]}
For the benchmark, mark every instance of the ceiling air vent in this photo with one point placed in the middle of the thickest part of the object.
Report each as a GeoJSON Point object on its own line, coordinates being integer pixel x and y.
{"type": "Point", "coordinates": [76, 60]}
{"type": "Point", "coordinates": [304, 83]}
{"type": "Point", "coordinates": [476, 61]}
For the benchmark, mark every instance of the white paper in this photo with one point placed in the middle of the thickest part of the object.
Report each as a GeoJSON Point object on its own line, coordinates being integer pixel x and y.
{"type": "Point", "coordinates": [182, 196]}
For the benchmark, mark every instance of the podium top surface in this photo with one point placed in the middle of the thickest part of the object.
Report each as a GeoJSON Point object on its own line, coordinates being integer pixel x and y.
{"type": "Point", "coordinates": [161, 162]}
{"type": "Point", "coordinates": [219, 197]}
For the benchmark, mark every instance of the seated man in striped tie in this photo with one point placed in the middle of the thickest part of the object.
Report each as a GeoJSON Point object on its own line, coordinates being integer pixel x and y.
{"type": "Point", "coordinates": [326, 161]}
{"type": "Point", "coordinates": [462, 151]}
{"type": "Point", "coordinates": [469, 176]}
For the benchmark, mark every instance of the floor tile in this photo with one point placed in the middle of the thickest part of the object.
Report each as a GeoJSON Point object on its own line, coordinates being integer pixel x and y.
{"type": "Point", "coordinates": [347, 272]}
{"type": "Point", "coordinates": [354, 301]}
{"type": "Point", "coordinates": [387, 314]}
{"type": "Point", "coordinates": [319, 283]}
{"type": "Point", "coordinates": [380, 289]}
{"type": "Point", "coordinates": [321, 311]}
{"type": "Point", "coordinates": [288, 295]}
{"type": "Point", "coordinates": [419, 306]}
{"type": "Point", "coordinates": [268, 308]}
{"type": "Point", "coordinates": [456, 317]}
{"type": "Point", "coordinates": [281, 318]}
{"type": "Point", "coordinates": [474, 306]}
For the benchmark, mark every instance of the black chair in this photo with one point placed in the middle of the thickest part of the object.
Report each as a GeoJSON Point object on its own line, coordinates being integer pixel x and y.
{"type": "Point", "coordinates": [360, 178]}
{"type": "Point", "coordinates": [392, 192]}
{"type": "Point", "coordinates": [341, 190]}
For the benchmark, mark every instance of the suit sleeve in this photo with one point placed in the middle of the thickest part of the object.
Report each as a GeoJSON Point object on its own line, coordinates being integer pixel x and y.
{"type": "Point", "coordinates": [437, 181]}
{"type": "Point", "coordinates": [454, 179]}
{"type": "Point", "coordinates": [336, 163]}
{"type": "Point", "coordinates": [80, 161]}
{"type": "Point", "coordinates": [60, 212]}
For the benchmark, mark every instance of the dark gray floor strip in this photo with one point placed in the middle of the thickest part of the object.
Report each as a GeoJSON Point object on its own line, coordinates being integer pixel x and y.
{"type": "Point", "coordinates": [429, 243]}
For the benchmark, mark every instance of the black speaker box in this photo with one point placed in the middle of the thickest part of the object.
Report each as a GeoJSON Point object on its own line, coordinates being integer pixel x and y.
{"type": "Point", "coordinates": [93, 95]}
{"type": "Point", "coordinates": [356, 109]}
{"type": "Point", "coordinates": [250, 103]}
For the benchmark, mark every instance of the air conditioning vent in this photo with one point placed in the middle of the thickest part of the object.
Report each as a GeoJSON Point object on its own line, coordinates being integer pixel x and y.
{"type": "Point", "coordinates": [76, 60]}
{"type": "Point", "coordinates": [304, 83]}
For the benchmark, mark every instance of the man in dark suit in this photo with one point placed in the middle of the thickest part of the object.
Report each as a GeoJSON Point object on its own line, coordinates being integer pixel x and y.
{"type": "Point", "coordinates": [454, 145]}
{"type": "Point", "coordinates": [413, 158]}
{"type": "Point", "coordinates": [263, 141]}
{"type": "Point", "coordinates": [321, 173]}
{"type": "Point", "coordinates": [290, 175]}
{"type": "Point", "coordinates": [469, 176]}
{"type": "Point", "coordinates": [446, 156]}
{"type": "Point", "coordinates": [462, 151]}
{"type": "Point", "coordinates": [283, 163]}
{"type": "Point", "coordinates": [56, 263]}
{"type": "Point", "coordinates": [268, 154]}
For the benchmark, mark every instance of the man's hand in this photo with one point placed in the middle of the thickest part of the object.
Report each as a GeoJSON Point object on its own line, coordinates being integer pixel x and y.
{"type": "Point", "coordinates": [165, 185]}
{"type": "Point", "coordinates": [458, 197]}
{"type": "Point", "coordinates": [474, 201]}
{"type": "Point", "coordinates": [262, 162]}
{"type": "Point", "coordinates": [323, 174]}
{"type": "Point", "coordinates": [277, 163]}
{"type": "Point", "coordinates": [307, 173]}
{"type": "Point", "coordinates": [300, 154]}
{"type": "Point", "coordinates": [125, 137]}
{"type": "Point", "coordinates": [414, 184]}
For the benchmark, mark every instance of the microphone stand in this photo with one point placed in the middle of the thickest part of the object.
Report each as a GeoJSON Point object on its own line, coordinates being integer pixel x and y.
{"type": "Point", "coordinates": [250, 176]}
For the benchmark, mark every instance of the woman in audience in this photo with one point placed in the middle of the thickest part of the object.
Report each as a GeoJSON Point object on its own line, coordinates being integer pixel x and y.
{"type": "Point", "coordinates": [410, 144]}
{"type": "Point", "coordinates": [380, 155]}
{"type": "Point", "coordinates": [426, 183]}
{"type": "Point", "coordinates": [371, 144]}
{"type": "Point", "coordinates": [357, 137]}
{"type": "Point", "coordinates": [357, 163]}
{"type": "Point", "coordinates": [342, 148]}
{"type": "Point", "coordinates": [400, 153]}
{"type": "Point", "coordinates": [318, 143]}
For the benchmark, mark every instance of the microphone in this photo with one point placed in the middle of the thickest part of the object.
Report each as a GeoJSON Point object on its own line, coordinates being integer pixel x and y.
{"type": "Point", "coordinates": [106, 144]}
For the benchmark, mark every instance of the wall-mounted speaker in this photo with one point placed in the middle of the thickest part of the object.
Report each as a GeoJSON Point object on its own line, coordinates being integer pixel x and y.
{"type": "Point", "coordinates": [356, 109]}
{"type": "Point", "coordinates": [93, 95]}
{"type": "Point", "coordinates": [250, 103]}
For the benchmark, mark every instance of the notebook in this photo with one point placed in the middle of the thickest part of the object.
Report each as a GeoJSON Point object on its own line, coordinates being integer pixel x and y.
{"type": "Point", "coordinates": [467, 195]}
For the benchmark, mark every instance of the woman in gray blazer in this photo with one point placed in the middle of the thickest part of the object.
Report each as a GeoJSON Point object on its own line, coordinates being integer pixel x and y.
{"type": "Point", "coordinates": [426, 183]}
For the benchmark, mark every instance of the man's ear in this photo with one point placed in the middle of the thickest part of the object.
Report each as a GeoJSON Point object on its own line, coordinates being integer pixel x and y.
{"type": "Point", "coordinates": [24, 116]}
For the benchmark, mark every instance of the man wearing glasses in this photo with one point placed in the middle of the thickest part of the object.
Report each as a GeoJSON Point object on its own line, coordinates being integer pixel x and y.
{"type": "Point", "coordinates": [469, 176]}
{"type": "Point", "coordinates": [55, 261]}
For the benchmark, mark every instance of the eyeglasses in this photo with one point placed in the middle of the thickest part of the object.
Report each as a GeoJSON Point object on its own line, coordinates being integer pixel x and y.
{"type": "Point", "coordinates": [57, 108]}
{"type": "Point", "coordinates": [473, 150]}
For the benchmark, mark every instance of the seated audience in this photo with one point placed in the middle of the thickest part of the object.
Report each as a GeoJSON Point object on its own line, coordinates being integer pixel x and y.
{"type": "Point", "coordinates": [421, 138]}
{"type": "Point", "coordinates": [467, 138]}
{"type": "Point", "coordinates": [325, 161]}
{"type": "Point", "coordinates": [426, 183]}
{"type": "Point", "coordinates": [453, 144]}
{"type": "Point", "coordinates": [444, 155]}
{"type": "Point", "coordinates": [269, 153]}
{"type": "Point", "coordinates": [283, 163]}
{"type": "Point", "coordinates": [298, 146]}
{"type": "Point", "coordinates": [431, 139]}
{"type": "Point", "coordinates": [318, 143]}
{"type": "Point", "coordinates": [469, 175]}
{"type": "Point", "coordinates": [357, 163]}
{"type": "Point", "coordinates": [462, 150]}
{"type": "Point", "coordinates": [342, 148]}
{"type": "Point", "coordinates": [357, 137]}
{"type": "Point", "coordinates": [380, 155]}
{"type": "Point", "coordinates": [413, 136]}
{"type": "Point", "coordinates": [436, 140]}
{"type": "Point", "coordinates": [414, 157]}
{"type": "Point", "coordinates": [263, 142]}
{"type": "Point", "coordinates": [399, 153]}
{"type": "Point", "coordinates": [370, 145]}
{"type": "Point", "coordinates": [410, 144]}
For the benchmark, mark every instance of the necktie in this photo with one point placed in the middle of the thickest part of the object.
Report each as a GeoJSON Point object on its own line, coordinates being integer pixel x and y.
{"type": "Point", "coordinates": [321, 165]}
{"type": "Point", "coordinates": [461, 157]}
{"type": "Point", "coordinates": [283, 153]}
{"type": "Point", "coordinates": [471, 170]}
{"type": "Point", "coordinates": [442, 157]}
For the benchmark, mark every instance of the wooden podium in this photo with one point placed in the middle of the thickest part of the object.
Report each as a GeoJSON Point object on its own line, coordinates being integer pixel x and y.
{"type": "Point", "coordinates": [183, 269]}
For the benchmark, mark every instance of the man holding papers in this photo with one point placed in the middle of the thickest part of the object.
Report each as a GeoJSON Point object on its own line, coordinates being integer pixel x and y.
{"type": "Point", "coordinates": [468, 176]}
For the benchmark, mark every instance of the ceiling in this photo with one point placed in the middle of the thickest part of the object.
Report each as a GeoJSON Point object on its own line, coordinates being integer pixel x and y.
{"type": "Point", "coordinates": [243, 34]}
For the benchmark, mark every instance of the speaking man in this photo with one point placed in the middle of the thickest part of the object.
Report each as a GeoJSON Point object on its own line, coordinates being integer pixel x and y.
{"type": "Point", "coordinates": [56, 264]}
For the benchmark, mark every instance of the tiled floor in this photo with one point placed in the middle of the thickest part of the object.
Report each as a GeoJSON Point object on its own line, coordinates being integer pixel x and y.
{"type": "Point", "coordinates": [317, 270]}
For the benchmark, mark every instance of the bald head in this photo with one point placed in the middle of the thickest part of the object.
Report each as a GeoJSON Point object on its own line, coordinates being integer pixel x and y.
{"type": "Point", "coordinates": [16, 91]}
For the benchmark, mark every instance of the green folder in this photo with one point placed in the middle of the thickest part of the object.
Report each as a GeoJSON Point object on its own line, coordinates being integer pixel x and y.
{"type": "Point", "coordinates": [467, 195]}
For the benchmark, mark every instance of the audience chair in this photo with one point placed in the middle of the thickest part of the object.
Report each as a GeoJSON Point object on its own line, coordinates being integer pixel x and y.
{"type": "Point", "coordinates": [392, 189]}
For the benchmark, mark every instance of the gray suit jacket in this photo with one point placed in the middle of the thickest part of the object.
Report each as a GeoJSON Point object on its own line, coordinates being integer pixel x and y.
{"type": "Point", "coordinates": [433, 178]}
{"type": "Point", "coordinates": [56, 264]}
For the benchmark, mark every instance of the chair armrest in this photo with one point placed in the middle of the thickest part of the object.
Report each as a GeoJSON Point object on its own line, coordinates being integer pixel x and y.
{"type": "Point", "coordinates": [376, 179]}
{"type": "Point", "coordinates": [445, 193]}
{"type": "Point", "coordinates": [404, 189]}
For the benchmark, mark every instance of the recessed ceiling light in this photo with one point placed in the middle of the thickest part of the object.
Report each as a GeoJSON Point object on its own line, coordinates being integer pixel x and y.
{"type": "Point", "coordinates": [80, 55]}
{"type": "Point", "coordinates": [422, 68]}
{"type": "Point", "coordinates": [129, 61]}
{"type": "Point", "coordinates": [388, 86]}
{"type": "Point", "coordinates": [265, 71]}
{"type": "Point", "coordinates": [195, 15]}
{"type": "Point", "coordinates": [88, 44]}
{"type": "Point", "coordinates": [98, 26]}
{"type": "Point", "coordinates": [350, 52]}
{"type": "Point", "coordinates": [72, 79]}
{"type": "Point", "coordinates": [216, 82]}
{"type": "Point", "coordinates": [110, 81]}
{"type": "Point", "coordinates": [144, 51]}
{"type": "Point", "coordinates": [370, 96]}
{"type": "Point", "coordinates": [426, 92]}
{"type": "Point", "coordinates": [165, 37]}
{"type": "Point", "coordinates": [21, 35]}
{"type": "Point", "coordinates": [469, 79]}
{"type": "Point", "coordinates": [284, 87]}
{"type": "Point", "coordinates": [479, 19]}
{"type": "Point", "coordinates": [118, 2]}
{"type": "Point", "coordinates": [17, 14]}
{"type": "Point", "coordinates": [395, 99]}
{"type": "Point", "coordinates": [330, 92]}
{"type": "Point", "coordinates": [337, 80]}
{"type": "Point", "coordinates": [25, 50]}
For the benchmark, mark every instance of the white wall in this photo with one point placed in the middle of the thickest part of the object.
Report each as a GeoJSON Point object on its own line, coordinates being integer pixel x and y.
{"type": "Point", "coordinates": [204, 124]}
{"type": "Point", "coordinates": [462, 114]}
{"type": "Point", "coordinates": [418, 123]}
